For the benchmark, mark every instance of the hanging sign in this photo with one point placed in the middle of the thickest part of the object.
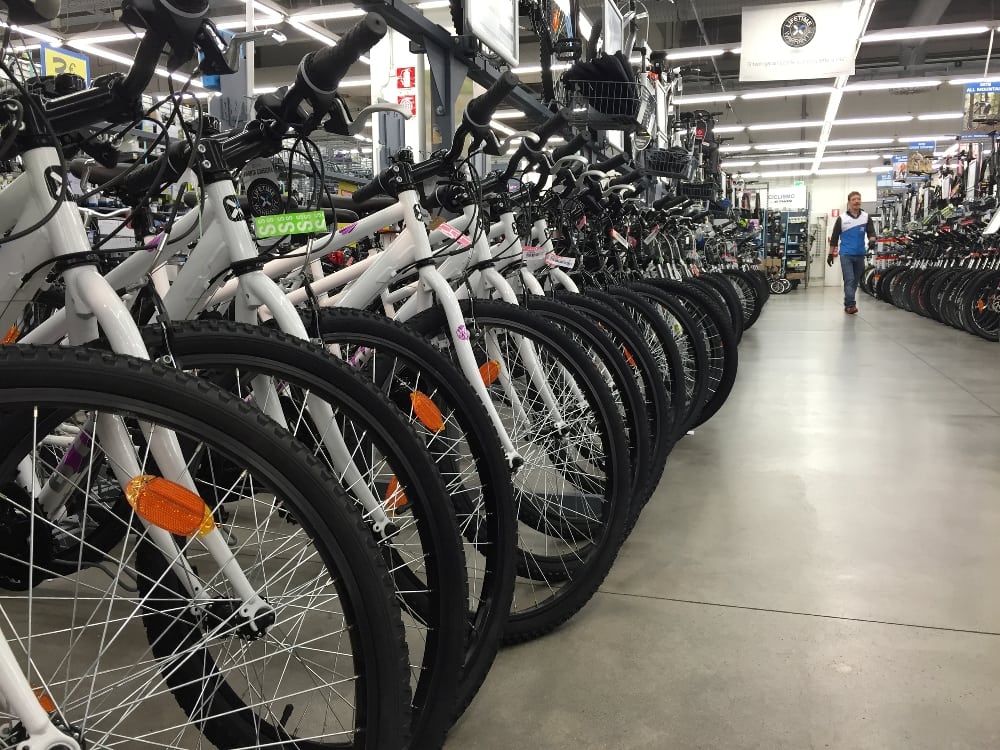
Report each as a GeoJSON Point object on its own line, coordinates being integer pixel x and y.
{"type": "Point", "coordinates": [982, 105]}
{"type": "Point", "coordinates": [920, 159]}
{"type": "Point", "coordinates": [796, 41]}
{"type": "Point", "coordinates": [786, 198]}
{"type": "Point", "coordinates": [495, 24]}
{"type": "Point", "coordinates": [59, 60]}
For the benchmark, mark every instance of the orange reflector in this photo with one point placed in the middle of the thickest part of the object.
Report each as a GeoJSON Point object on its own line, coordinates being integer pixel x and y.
{"type": "Point", "coordinates": [169, 506]}
{"type": "Point", "coordinates": [489, 371]}
{"type": "Point", "coordinates": [427, 412]}
{"type": "Point", "coordinates": [12, 335]}
{"type": "Point", "coordinates": [395, 498]}
{"type": "Point", "coordinates": [47, 704]}
{"type": "Point", "coordinates": [980, 305]}
{"type": "Point", "coordinates": [628, 356]}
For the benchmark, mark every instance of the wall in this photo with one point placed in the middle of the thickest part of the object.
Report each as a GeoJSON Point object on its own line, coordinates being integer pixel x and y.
{"type": "Point", "coordinates": [829, 192]}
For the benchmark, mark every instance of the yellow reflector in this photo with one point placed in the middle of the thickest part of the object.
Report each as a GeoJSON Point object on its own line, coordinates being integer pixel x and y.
{"type": "Point", "coordinates": [12, 335]}
{"type": "Point", "coordinates": [395, 498]}
{"type": "Point", "coordinates": [47, 704]}
{"type": "Point", "coordinates": [169, 506]}
{"type": "Point", "coordinates": [489, 371]}
{"type": "Point", "coordinates": [427, 412]}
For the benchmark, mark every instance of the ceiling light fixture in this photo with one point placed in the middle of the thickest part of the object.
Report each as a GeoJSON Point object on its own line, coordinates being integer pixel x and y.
{"type": "Point", "coordinates": [791, 146]}
{"type": "Point", "coordinates": [694, 54]}
{"type": "Point", "coordinates": [964, 81]}
{"type": "Point", "coordinates": [900, 83]}
{"type": "Point", "coordinates": [433, 4]}
{"type": "Point", "coordinates": [858, 141]}
{"type": "Point", "coordinates": [842, 170]}
{"type": "Point", "coordinates": [873, 120]}
{"type": "Point", "coordinates": [723, 129]}
{"type": "Point", "coordinates": [942, 116]}
{"type": "Point", "coordinates": [779, 162]}
{"type": "Point", "coordinates": [501, 127]}
{"type": "Point", "coordinates": [32, 33]}
{"type": "Point", "coordinates": [508, 114]}
{"type": "Point", "coordinates": [789, 91]}
{"type": "Point", "coordinates": [733, 149]}
{"type": "Point", "coordinates": [784, 173]}
{"type": "Point", "coordinates": [323, 15]}
{"type": "Point", "coordinates": [680, 101]}
{"type": "Point", "coordinates": [557, 67]}
{"type": "Point", "coordinates": [916, 138]}
{"type": "Point", "coordinates": [316, 34]}
{"type": "Point", "coordinates": [924, 32]}
{"type": "Point", "coordinates": [786, 125]}
{"type": "Point", "coordinates": [127, 61]}
{"type": "Point", "coordinates": [849, 157]}
{"type": "Point", "coordinates": [735, 164]}
{"type": "Point", "coordinates": [880, 170]}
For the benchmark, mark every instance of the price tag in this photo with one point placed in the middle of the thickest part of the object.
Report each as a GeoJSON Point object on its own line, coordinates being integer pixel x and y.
{"type": "Point", "coordinates": [653, 232]}
{"type": "Point", "coordinates": [532, 251]}
{"type": "Point", "coordinates": [552, 261]}
{"type": "Point", "coordinates": [618, 238]}
{"type": "Point", "coordinates": [449, 231]}
{"type": "Point", "coordinates": [302, 222]}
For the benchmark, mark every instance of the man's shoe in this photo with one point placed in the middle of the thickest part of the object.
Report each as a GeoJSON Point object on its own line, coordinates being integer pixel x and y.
{"type": "Point", "coordinates": [852, 310]}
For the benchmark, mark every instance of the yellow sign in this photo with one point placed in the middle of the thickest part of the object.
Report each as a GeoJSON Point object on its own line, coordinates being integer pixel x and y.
{"type": "Point", "coordinates": [58, 60]}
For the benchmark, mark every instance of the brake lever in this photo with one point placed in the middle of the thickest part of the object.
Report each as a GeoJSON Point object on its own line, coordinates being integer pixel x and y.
{"type": "Point", "coordinates": [567, 162]}
{"type": "Point", "coordinates": [340, 121]}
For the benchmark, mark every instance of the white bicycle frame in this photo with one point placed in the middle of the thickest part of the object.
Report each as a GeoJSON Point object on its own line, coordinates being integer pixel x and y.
{"type": "Point", "coordinates": [91, 306]}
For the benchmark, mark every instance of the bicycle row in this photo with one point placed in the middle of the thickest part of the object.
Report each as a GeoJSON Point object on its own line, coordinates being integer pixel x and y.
{"type": "Point", "coordinates": [298, 492]}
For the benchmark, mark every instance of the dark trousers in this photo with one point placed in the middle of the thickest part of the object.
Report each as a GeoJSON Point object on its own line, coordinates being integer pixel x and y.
{"type": "Point", "coordinates": [853, 267]}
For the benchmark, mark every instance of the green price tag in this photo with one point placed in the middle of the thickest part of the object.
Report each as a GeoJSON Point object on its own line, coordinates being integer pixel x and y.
{"type": "Point", "coordinates": [303, 222]}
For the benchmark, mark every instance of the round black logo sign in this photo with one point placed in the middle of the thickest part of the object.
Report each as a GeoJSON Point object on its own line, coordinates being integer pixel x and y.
{"type": "Point", "coordinates": [798, 29]}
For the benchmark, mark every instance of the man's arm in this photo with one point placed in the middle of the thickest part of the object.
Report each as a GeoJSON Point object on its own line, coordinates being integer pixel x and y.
{"type": "Point", "coordinates": [835, 236]}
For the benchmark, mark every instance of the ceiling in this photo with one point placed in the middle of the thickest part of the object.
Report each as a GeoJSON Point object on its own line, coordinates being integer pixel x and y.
{"type": "Point", "coordinates": [678, 26]}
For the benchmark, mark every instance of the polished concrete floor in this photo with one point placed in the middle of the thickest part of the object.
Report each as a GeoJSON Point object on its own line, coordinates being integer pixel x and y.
{"type": "Point", "coordinates": [820, 567]}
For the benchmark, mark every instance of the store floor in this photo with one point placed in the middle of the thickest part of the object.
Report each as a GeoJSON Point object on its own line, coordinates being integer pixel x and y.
{"type": "Point", "coordinates": [820, 567]}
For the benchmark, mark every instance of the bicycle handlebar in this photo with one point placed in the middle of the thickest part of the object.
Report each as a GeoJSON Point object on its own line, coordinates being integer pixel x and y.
{"type": "Point", "coordinates": [608, 164]}
{"type": "Point", "coordinates": [572, 147]}
{"type": "Point", "coordinates": [322, 70]}
{"type": "Point", "coordinates": [480, 110]}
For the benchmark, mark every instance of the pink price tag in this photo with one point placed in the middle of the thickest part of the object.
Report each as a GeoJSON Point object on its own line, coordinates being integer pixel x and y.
{"type": "Point", "coordinates": [582, 223]}
{"type": "Point", "coordinates": [618, 238]}
{"type": "Point", "coordinates": [450, 231]}
{"type": "Point", "coordinates": [532, 251]}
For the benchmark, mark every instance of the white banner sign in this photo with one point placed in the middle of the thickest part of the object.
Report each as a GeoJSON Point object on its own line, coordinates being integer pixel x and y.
{"type": "Point", "coordinates": [787, 198]}
{"type": "Point", "coordinates": [796, 41]}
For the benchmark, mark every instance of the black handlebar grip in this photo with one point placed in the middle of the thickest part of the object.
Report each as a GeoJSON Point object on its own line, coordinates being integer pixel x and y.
{"type": "Point", "coordinates": [613, 163]}
{"type": "Point", "coordinates": [480, 110]}
{"type": "Point", "coordinates": [32, 11]}
{"type": "Point", "coordinates": [381, 185]}
{"type": "Point", "coordinates": [142, 179]}
{"type": "Point", "coordinates": [670, 201]}
{"type": "Point", "coordinates": [550, 127]}
{"type": "Point", "coordinates": [627, 179]}
{"type": "Point", "coordinates": [578, 142]}
{"type": "Point", "coordinates": [323, 69]}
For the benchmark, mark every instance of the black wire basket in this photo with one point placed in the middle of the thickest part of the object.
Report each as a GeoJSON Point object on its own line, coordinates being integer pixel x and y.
{"type": "Point", "coordinates": [608, 105]}
{"type": "Point", "coordinates": [667, 162]}
{"type": "Point", "coordinates": [706, 191]}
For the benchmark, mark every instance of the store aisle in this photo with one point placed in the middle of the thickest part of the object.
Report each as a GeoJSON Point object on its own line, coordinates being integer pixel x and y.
{"type": "Point", "coordinates": [817, 570]}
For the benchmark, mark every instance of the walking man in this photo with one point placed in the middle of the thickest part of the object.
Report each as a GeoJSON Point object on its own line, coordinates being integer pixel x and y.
{"type": "Point", "coordinates": [850, 232]}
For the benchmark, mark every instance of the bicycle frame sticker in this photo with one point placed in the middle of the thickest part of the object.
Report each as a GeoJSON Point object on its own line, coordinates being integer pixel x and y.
{"type": "Point", "coordinates": [552, 261]}
{"type": "Point", "coordinates": [533, 251]}
{"type": "Point", "coordinates": [231, 205]}
{"type": "Point", "coordinates": [455, 234]}
{"type": "Point", "coordinates": [462, 332]}
{"type": "Point", "coordinates": [302, 222]}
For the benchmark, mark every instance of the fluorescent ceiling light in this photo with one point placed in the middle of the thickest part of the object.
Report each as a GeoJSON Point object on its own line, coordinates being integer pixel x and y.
{"type": "Point", "coordinates": [915, 138]}
{"type": "Point", "coordinates": [733, 149]}
{"type": "Point", "coordinates": [241, 23]}
{"type": "Point", "coordinates": [320, 15]}
{"type": "Point", "coordinates": [784, 173]}
{"type": "Point", "coordinates": [127, 61]}
{"type": "Point", "coordinates": [700, 98]}
{"type": "Point", "coordinates": [316, 34]}
{"type": "Point", "coordinates": [508, 114]}
{"type": "Point", "coordinates": [850, 157]}
{"type": "Point", "coordinates": [901, 83]}
{"type": "Point", "coordinates": [880, 170]}
{"type": "Point", "coordinates": [432, 4]}
{"type": "Point", "coordinates": [858, 141]}
{"type": "Point", "coordinates": [354, 83]}
{"type": "Point", "coordinates": [873, 120]}
{"type": "Point", "coordinates": [538, 68]}
{"type": "Point", "coordinates": [275, 15]}
{"type": "Point", "coordinates": [788, 91]}
{"type": "Point", "coordinates": [842, 170]}
{"type": "Point", "coordinates": [924, 32]}
{"type": "Point", "coordinates": [32, 33]}
{"type": "Point", "coordinates": [963, 81]}
{"type": "Point", "coordinates": [778, 162]}
{"type": "Point", "coordinates": [501, 127]}
{"type": "Point", "coordinates": [790, 146]}
{"type": "Point", "coordinates": [786, 125]}
{"type": "Point", "coordinates": [942, 116]}
{"type": "Point", "coordinates": [722, 129]}
{"type": "Point", "coordinates": [734, 164]}
{"type": "Point", "coordinates": [737, 50]}
{"type": "Point", "coordinates": [694, 54]}
{"type": "Point", "coordinates": [103, 38]}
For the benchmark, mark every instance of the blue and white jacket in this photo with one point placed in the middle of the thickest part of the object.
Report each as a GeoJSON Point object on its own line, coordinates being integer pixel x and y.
{"type": "Point", "coordinates": [850, 232]}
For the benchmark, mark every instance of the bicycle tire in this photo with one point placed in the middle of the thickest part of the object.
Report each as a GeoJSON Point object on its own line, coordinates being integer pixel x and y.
{"type": "Point", "coordinates": [43, 386]}
{"type": "Point", "coordinates": [431, 599]}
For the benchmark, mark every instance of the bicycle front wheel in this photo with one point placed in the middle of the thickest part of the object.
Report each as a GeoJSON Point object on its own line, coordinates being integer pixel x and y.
{"type": "Point", "coordinates": [150, 638]}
